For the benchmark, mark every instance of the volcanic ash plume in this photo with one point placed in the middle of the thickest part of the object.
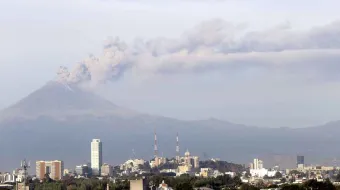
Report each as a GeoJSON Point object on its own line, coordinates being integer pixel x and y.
{"type": "Point", "coordinates": [216, 45]}
{"type": "Point", "coordinates": [96, 69]}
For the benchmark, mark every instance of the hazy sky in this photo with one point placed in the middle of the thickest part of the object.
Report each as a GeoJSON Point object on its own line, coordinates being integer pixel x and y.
{"type": "Point", "coordinates": [258, 62]}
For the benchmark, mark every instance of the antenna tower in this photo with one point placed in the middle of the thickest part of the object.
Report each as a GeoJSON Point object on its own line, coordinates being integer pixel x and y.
{"type": "Point", "coordinates": [25, 165]}
{"type": "Point", "coordinates": [334, 162]}
{"type": "Point", "coordinates": [177, 149]}
{"type": "Point", "coordinates": [155, 146]}
{"type": "Point", "coordinates": [133, 154]}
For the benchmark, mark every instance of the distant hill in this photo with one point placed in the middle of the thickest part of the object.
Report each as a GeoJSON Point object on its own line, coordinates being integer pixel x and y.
{"type": "Point", "coordinates": [58, 121]}
{"type": "Point", "coordinates": [58, 100]}
{"type": "Point", "coordinates": [222, 166]}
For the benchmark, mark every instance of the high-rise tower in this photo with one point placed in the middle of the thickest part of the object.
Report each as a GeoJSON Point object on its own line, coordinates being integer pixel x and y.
{"type": "Point", "coordinates": [96, 156]}
{"type": "Point", "coordinates": [300, 161]}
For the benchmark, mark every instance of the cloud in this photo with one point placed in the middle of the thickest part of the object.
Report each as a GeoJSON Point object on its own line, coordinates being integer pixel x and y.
{"type": "Point", "coordinates": [213, 45]}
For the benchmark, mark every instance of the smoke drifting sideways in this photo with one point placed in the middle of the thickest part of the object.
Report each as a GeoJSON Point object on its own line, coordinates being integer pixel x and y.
{"type": "Point", "coordinates": [96, 69]}
{"type": "Point", "coordinates": [213, 45]}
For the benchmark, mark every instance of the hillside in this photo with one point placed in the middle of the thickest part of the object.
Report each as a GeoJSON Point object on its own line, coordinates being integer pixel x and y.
{"type": "Point", "coordinates": [56, 122]}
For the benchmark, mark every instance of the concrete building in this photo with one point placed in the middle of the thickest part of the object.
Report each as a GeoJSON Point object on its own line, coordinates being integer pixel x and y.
{"type": "Point", "coordinates": [129, 164]}
{"type": "Point", "coordinates": [231, 174]}
{"type": "Point", "coordinates": [106, 170]}
{"type": "Point", "coordinates": [187, 159]}
{"type": "Point", "coordinates": [83, 170]}
{"type": "Point", "coordinates": [140, 184]}
{"type": "Point", "coordinates": [6, 186]}
{"type": "Point", "coordinates": [168, 171]}
{"type": "Point", "coordinates": [313, 169]}
{"type": "Point", "coordinates": [157, 162]}
{"type": "Point", "coordinates": [257, 169]}
{"type": "Point", "coordinates": [164, 186]}
{"type": "Point", "coordinates": [23, 186]}
{"type": "Point", "coordinates": [66, 172]}
{"type": "Point", "coordinates": [300, 161]}
{"type": "Point", "coordinates": [96, 157]}
{"type": "Point", "coordinates": [196, 161]}
{"type": "Point", "coordinates": [251, 165]}
{"type": "Point", "coordinates": [206, 172]}
{"type": "Point", "coordinates": [258, 172]}
{"type": "Point", "coordinates": [54, 168]}
{"type": "Point", "coordinates": [184, 169]}
{"type": "Point", "coordinates": [258, 164]}
{"type": "Point", "coordinates": [7, 178]}
{"type": "Point", "coordinates": [20, 175]}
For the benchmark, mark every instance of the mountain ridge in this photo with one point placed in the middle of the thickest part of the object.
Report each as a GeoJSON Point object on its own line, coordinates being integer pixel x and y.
{"type": "Point", "coordinates": [59, 100]}
{"type": "Point", "coordinates": [58, 122]}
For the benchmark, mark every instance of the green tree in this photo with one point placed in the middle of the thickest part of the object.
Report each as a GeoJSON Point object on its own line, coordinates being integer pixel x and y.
{"type": "Point", "coordinates": [247, 174]}
{"type": "Point", "coordinates": [314, 184]}
{"type": "Point", "coordinates": [292, 187]}
{"type": "Point", "coordinates": [184, 186]}
{"type": "Point", "coordinates": [337, 178]}
{"type": "Point", "coordinates": [278, 175]}
{"type": "Point", "coordinates": [248, 187]}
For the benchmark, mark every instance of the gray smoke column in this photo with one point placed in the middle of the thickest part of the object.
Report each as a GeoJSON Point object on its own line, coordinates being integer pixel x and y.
{"type": "Point", "coordinates": [213, 44]}
{"type": "Point", "coordinates": [97, 69]}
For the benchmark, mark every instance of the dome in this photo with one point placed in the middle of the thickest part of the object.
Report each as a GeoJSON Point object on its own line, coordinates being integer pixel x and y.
{"type": "Point", "coordinates": [187, 153]}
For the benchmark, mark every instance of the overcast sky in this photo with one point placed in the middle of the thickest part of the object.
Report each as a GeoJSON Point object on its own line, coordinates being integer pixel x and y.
{"type": "Point", "coordinates": [259, 62]}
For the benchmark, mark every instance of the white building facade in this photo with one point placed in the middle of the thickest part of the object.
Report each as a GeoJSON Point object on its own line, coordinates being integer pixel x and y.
{"type": "Point", "coordinates": [258, 164]}
{"type": "Point", "coordinates": [96, 156]}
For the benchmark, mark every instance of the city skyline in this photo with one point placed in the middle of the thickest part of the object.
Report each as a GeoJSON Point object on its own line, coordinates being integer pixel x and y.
{"type": "Point", "coordinates": [236, 84]}
{"type": "Point", "coordinates": [178, 94]}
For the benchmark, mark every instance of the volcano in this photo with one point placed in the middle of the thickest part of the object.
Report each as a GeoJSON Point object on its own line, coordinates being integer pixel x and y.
{"type": "Point", "coordinates": [58, 121]}
{"type": "Point", "coordinates": [59, 101]}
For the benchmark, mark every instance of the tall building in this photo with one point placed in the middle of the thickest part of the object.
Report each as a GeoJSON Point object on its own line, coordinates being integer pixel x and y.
{"type": "Point", "coordinates": [258, 164]}
{"type": "Point", "coordinates": [53, 168]}
{"type": "Point", "coordinates": [107, 170]}
{"type": "Point", "coordinates": [196, 162]}
{"type": "Point", "coordinates": [96, 157]}
{"type": "Point", "coordinates": [187, 158]}
{"type": "Point", "coordinates": [251, 166]}
{"type": "Point", "coordinates": [300, 161]}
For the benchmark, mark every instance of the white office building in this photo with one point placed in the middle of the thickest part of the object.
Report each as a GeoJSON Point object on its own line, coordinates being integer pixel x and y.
{"type": "Point", "coordinates": [258, 164]}
{"type": "Point", "coordinates": [96, 156]}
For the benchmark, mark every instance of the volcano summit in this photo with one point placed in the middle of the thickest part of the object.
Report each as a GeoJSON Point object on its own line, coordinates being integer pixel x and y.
{"type": "Point", "coordinates": [59, 101]}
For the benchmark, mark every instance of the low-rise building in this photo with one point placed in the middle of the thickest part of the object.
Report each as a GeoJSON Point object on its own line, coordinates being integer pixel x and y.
{"type": "Point", "coordinates": [164, 186]}
{"type": "Point", "coordinates": [129, 164]}
{"type": "Point", "coordinates": [8, 178]}
{"type": "Point", "coordinates": [83, 170]}
{"type": "Point", "coordinates": [206, 172]}
{"type": "Point", "coordinates": [107, 170]}
{"type": "Point", "coordinates": [183, 169]}
{"type": "Point", "coordinates": [231, 174]}
{"type": "Point", "coordinates": [19, 174]}
{"type": "Point", "coordinates": [139, 184]}
{"type": "Point", "coordinates": [168, 171]}
{"type": "Point", "coordinates": [54, 169]}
